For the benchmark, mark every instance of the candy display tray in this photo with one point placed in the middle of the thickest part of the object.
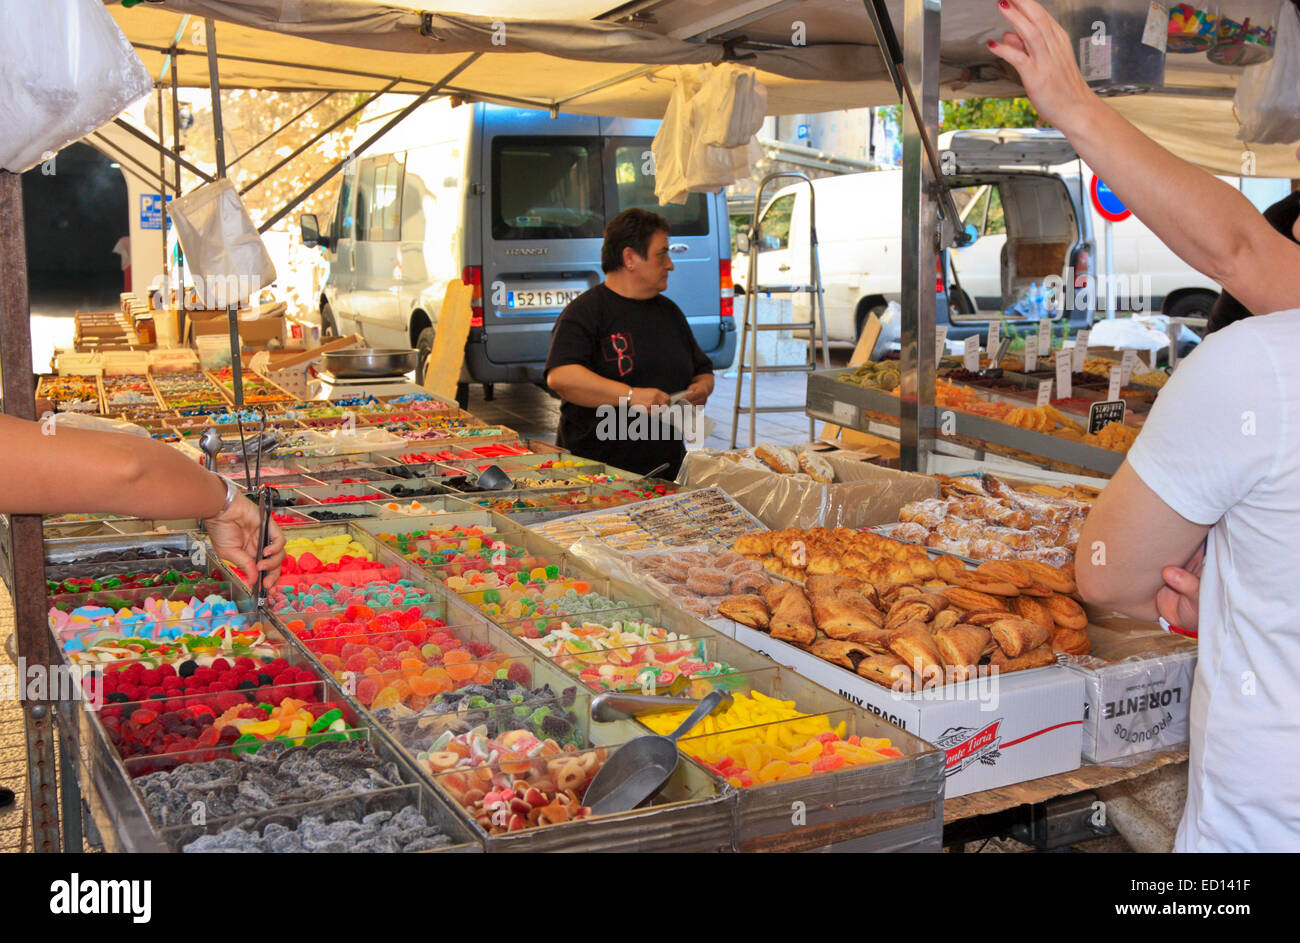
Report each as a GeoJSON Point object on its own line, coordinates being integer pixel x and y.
{"type": "Point", "coordinates": [115, 805]}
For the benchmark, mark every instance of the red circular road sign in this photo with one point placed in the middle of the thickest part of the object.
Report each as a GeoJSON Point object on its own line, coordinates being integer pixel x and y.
{"type": "Point", "coordinates": [1105, 202]}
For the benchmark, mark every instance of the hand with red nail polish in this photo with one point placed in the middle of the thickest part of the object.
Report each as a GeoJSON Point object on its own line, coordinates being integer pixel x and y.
{"type": "Point", "coordinates": [1041, 52]}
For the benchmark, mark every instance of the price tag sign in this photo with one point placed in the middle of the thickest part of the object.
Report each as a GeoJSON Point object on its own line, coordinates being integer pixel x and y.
{"type": "Point", "coordinates": [1116, 381]}
{"type": "Point", "coordinates": [846, 414]}
{"type": "Point", "coordinates": [1080, 350]}
{"type": "Point", "coordinates": [1064, 380]}
{"type": "Point", "coordinates": [1044, 392]}
{"type": "Point", "coordinates": [940, 342]}
{"type": "Point", "coordinates": [1126, 364]}
{"type": "Point", "coordinates": [970, 353]}
{"type": "Point", "coordinates": [1101, 415]}
{"type": "Point", "coordinates": [1044, 338]}
{"type": "Point", "coordinates": [995, 338]}
{"type": "Point", "coordinates": [1031, 356]}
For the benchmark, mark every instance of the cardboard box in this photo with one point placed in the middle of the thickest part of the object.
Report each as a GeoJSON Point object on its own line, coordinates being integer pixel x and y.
{"type": "Point", "coordinates": [292, 369]}
{"type": "Point", "coordinates": [1138, 686]}
{"type": "Point", "coordinates": [996, 731]}
{"type": "Point", "coordinates": [863, 493]}
{"type": "Point", "coordinates": [257, 326]}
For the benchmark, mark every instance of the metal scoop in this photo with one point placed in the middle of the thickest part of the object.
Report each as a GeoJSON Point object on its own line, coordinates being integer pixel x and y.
{"type": "Point", "coordinates": [494, 478]}
{"type": "Point", "coordinates": [639, 768]}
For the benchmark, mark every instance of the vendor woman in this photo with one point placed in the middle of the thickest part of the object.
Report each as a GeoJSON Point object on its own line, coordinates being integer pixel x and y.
{"type": "Point", "coordinates": [1212, 485]}
{"type": "Point", "coordinates": [622, 347]}
{"type": "Point", "coordinates": [54, 470]}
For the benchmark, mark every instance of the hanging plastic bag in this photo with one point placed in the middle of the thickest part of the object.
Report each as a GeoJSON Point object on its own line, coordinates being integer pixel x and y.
{"type": "Point", "coordinates": [684, 163]}
{"type": "Point", "coordinates": [65, 70]}
{"type": "Point", "coordinates": [223, 248]}
{"type": "Point", "coordinates": [733, 104]}
{"type": "Point", "coordinates": [1268, 95]}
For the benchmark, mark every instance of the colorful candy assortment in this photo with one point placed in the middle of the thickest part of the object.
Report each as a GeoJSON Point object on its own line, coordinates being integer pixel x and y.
{"type": "Point", "coordinates": [761, 739]}
{"type": "Point", "coordinates": [203, 650]}
{"type": "Point", "coordinates": [521, 782]}
{"type": "Point", "coordinates": [152, 617]}
{"type": "Point", "coordinates": [626, 656]}
{"type": "Point", "coordinates": [1191, 29]}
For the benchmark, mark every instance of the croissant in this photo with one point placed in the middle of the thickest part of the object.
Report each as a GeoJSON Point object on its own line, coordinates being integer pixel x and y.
{"type": "Point", "coordinates": [962, 646]}
{"type": "Point", "coordinates": [1037, 658]}
{"type": "Point", "coordinates": [792, 619]}
{"type": "Point", "coordinates": [887, 670]}
{"type": "Point", "coordinates": [914, 644]}
{"type": "Point", "coordinates": [1016, 636]}
{"type": "Point", "coordinates": [845, 654]}
{"type": "Point", "coordinates": [747, 609]}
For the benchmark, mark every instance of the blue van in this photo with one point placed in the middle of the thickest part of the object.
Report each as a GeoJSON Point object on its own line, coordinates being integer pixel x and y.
{"type": "Point", "coordinates": [513, 202]}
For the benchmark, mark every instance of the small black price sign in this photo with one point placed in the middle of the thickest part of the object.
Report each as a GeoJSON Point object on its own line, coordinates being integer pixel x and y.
{"type": "Point", "coordinates": [1101, 415]}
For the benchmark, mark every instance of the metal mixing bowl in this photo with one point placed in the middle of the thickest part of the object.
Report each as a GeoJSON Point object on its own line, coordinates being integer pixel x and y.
{"type": "Point", "coordinates": [370, 362]}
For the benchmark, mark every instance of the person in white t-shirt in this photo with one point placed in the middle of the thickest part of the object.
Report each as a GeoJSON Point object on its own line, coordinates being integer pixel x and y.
{"type": "Point", "coordinates": [1211, 488]}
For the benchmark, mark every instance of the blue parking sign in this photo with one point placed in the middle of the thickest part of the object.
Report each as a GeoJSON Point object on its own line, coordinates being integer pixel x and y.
{"type": "Point", "coordinates": [151, 213]}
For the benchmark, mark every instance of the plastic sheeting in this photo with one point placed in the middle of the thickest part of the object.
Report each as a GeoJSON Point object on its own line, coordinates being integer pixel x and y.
{"type": "Point", "coordinates": [710, 108]}
{"type": "Point", "coordinates": [65, 70]}
{"type": "Point", "coordinates": [1268, 95]}
{"type": "Point", "coordinates": [872, 496]}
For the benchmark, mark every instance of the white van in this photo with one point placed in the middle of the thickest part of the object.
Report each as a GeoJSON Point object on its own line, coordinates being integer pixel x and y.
{"type": "Point", "coordinates": [1001, 179]}
{"type": "Point", "coordinates": [514, 203]}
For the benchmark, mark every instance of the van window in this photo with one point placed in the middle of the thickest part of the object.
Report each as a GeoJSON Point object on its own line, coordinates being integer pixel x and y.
{"type": "Point", "coordinates": [365, 197]}
{"type": "Point", "coordinates": [342, 222]}
{"type": "Point", "coordinates": [385, 214]}
{"type": "Point", "coordinates": [634, 186]}
{"type": "Point", "coordinates": [995, 223]}
{"type": "Point", "coordinates": [774, 227]}
{"type": "Point", "coordinates": [973, 204]}
{"type": "Point", "coordinates": [547, 188]}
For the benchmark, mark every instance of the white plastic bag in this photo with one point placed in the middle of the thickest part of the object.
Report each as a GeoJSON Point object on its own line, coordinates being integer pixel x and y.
{"type": "Point", "coordinates": [1268, 95]}
{"type": "Point", "coordinates": [223, 248]}
{"type": "Point", "coordinates": [684, 163]}
{"type": "Point", "coordinates": [65, 70]}
{"type": "Point", "coordinates": [733, 103]}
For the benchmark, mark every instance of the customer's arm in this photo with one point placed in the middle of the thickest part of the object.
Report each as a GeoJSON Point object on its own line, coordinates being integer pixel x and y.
{"type": "Point", "coordinates": [81, 470]}
{"type": "Point", "coordinates": [1128, 540]}
{"type": "Point", "coordinates": [1207, 223]}
{"type": "Point", "coordinates": [583, 387]}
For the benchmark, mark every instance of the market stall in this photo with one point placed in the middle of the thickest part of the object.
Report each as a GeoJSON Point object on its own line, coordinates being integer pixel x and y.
{"type": "Point", "coordinates": [455, 641]}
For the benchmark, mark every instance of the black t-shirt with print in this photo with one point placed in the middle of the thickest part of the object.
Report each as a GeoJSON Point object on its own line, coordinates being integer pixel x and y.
{"type": "Point", "coordinates": [643, 343]}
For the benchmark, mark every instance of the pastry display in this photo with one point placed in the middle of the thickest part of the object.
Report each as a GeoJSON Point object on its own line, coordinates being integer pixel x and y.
{"type": "Point", "coordinates": [987, 519]}
{"type": "Point", "coordinates": [698, 581]}
{"type": "Point", "coordinates": [906, 622]}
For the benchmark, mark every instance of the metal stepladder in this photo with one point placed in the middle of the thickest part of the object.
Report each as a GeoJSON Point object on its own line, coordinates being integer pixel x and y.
{"type": "Point", "coordinates": [750, 325]}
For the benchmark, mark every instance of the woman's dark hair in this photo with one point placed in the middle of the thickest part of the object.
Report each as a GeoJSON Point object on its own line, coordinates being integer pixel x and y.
{"type": "Point", "coordinates": [632, 229]}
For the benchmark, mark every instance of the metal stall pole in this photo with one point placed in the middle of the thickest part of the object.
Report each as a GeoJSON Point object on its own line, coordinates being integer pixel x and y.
{"type": "Point", "coordinates": [162, 197]}
{"type": "Point", "coordinates": [27, 549]}
{"type": "Point", "coordinates": [218, 132]}
{"type": "Point", "coordinates": [920, 217]}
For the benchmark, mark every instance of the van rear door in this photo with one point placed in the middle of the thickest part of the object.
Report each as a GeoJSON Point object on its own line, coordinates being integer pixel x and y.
{"type": "Point", "coordinates": [694, 283]}
{"type": "Point", "coordinates": [544, 221]}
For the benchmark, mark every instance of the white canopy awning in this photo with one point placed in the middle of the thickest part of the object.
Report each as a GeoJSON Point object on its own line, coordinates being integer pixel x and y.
{"type": "Point", "coordinates": [588, 56]}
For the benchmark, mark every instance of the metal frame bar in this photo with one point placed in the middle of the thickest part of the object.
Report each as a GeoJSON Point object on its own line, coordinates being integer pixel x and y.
{"type": "Point", "coordinates": [320, 101]}
{"type": "Point", "coordinates": [302, 147]}
{"type": "Point", "coordinates": [27, 540]}
{"type": "Point", "coordinates": [218, 125]}
{"type": "Point", "coordinates": [137, 133]}
{"type": "Point", "coordinates": [392, 122]}
{"type": "Point", "coordinates": [145, 175]}
{"type": "Point", "coordinates": [921, 65]}
{"type": "Point", "coordinates": [256, 60]}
